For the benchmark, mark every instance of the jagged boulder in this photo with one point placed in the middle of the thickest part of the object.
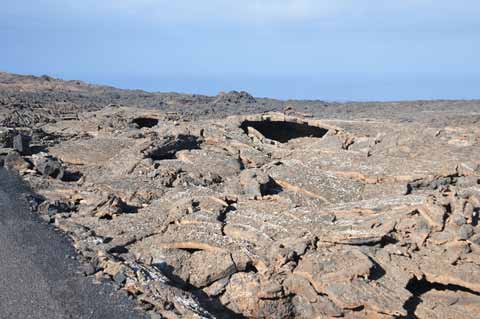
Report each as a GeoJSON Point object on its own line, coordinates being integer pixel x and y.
{"type": "Point", "coordinates": [49, 167]}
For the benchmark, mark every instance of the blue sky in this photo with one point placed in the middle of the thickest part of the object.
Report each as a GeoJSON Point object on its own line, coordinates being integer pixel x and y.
{"type": "Point", "coordinates": [313, 49]}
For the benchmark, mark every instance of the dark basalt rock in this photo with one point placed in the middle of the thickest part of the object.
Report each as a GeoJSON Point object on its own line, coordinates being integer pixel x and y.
{"type": "Point", "coordinates": [21, 143]}
{"type": "Point", "coordinates": [50, 167]}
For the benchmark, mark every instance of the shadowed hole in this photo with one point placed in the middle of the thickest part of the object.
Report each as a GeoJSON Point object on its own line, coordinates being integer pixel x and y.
{"type": "Point", "coordinates": [69, 176]}
{"type": "Point", "coordinates": [271, 188]}
{"type": "Point", "coordinates": [118, 250]}
{"type": "Point", "coordinates": [171, 145]}
{"type": "Point", "coordinates": [142, 122]}
{"type": "Point", "coordinates": [282, 131]}
{"type": "Point", "coordinates": [418, 287]}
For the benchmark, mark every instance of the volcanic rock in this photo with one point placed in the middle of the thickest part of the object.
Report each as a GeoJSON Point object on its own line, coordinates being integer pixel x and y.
{"type": "Point", "coordinates": [234, 206]}
{"type": "Point", "coordinates": [6, 137]}
{"type": "Point", "coordinates": [49, 167]}
{"type": "Point", "coordinates": [21, 143]}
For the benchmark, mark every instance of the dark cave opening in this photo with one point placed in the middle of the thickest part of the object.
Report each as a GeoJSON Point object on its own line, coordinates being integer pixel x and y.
{"type": "Point", "coordinates": [69, 176]}
{"type": "Point", "coordinates": [143, 122]}
{"type": "Point", "coordinates": [271, 188]}
{"type": "Point", "coordinates": [282, 131]}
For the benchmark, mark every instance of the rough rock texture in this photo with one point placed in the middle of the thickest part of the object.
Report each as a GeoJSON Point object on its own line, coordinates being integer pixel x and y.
{"type": "Point", "coordinates": [272, 215]}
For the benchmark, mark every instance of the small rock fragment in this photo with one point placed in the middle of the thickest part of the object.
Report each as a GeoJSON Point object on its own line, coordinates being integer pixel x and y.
{"type": "Point", "coordinates": [458, 219]}
{"type": "Point", "coordinates": [119, 278]}
{"type": "Point", "coordinates": [465, 232]}
{"type": "Point", "coordinates": [88, 269]}
{"type": "Point", "coordinates": [21, 143]}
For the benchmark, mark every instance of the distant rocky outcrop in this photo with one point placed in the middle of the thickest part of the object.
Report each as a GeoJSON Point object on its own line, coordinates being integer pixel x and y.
{"type": "Point", "coordinates": [235, 98]}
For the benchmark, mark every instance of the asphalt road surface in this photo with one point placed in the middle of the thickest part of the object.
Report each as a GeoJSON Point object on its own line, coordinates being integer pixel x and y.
{"type": "Point", "coordinates": [38, 276]}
